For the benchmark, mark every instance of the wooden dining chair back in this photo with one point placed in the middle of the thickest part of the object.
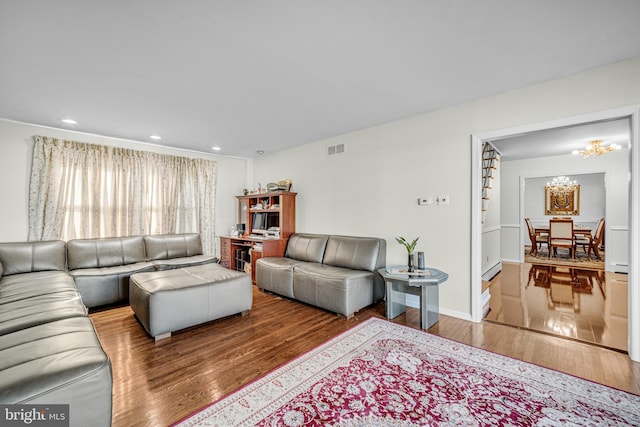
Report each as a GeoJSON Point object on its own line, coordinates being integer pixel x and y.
{"type": "Point", "coordinates": [537, 239]}
{"type": "Point", "coordinates": [598, 237]}
{"type": "Point", "coordinates": [561, 236]}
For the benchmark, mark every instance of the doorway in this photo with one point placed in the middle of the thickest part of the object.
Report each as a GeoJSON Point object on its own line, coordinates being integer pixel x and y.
{"type": "Point", "coordinates": [630, 113]}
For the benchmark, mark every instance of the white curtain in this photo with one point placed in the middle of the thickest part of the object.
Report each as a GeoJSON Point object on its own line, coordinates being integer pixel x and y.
{"type": "Point", "coordinates": [80, 190]}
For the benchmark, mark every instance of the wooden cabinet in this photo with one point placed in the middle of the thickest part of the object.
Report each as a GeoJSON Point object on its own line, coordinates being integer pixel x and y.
{"type": "Point", "coordinates": [259, 212]}
{"type": "Point", "coordinates": [262, 214]}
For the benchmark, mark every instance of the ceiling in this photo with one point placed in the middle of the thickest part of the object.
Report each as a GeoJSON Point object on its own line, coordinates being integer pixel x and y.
{"type": "Point", "coordinates": [562, 141]}
{"type": "Point", "coordinates": [268, 75]}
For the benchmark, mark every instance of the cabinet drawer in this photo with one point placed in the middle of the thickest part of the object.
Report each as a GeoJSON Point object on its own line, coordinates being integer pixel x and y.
{"type": "Point", "coordinates": [225, 247]}
{"type": "Point", "coordinates": [225, 252]}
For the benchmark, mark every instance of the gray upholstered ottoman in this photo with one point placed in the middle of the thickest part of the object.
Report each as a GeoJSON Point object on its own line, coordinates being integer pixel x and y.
{"type": "Point", "coordinates": [167, 301]}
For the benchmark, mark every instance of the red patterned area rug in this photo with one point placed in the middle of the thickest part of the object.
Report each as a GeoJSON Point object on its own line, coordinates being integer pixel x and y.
{"type": "Point", "coordinates": [382, 374]}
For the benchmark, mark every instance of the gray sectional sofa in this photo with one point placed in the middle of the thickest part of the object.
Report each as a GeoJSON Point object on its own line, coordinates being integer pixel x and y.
{"type": "Point", "coordinates": [337, 273]}
{"type": "Point", "coordinates": [49, 350]}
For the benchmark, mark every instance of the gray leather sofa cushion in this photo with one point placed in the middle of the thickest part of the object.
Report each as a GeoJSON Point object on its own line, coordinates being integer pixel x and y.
{"type": "Point", "coordinates": [58, 362]}
{"type": "Point", "coordinates": [35, 277]}
{"type": "Point", "coordinates": [187, 261]}
{"type": "Point", "coordinates": [105, 252]}
{"type": "Point", "coordinates": [38, 310]}
{"type": "Point", "coordinates": [108, 285]}
{"type": "Point", "coordinates": [275, 274]}
{"type": "Point", "coordinates": [166, 246]}
{"type": "Point", "coordinates": [170, 251]}
{"type": "Point", "coordinates": [357, 253]}
{"type": "Point", "coordinates": [27, 257]}
{"type": "Point", "coordinates": [341, 290]}
{"type": "Point", "coordinates": [18, 286]}
{"type": "Point", "coordinates": [306, 247]}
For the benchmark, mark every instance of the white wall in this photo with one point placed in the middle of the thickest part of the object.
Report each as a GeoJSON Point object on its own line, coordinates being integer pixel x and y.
{"type": "Point", "coordinates": [373, 188]}
{"type": "Point", "coordinates": [16, 144]}
{"type": "Point", "coordinates": [614, 165]}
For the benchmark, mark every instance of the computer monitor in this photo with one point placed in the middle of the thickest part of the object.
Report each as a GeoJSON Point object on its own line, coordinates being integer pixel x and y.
{"type": "Point", "coordinates": [257, 225]}
{"type": "Point", "coordinates": [262, 221]}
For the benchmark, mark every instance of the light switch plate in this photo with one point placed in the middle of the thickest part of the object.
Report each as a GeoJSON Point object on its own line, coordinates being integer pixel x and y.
{"type": "Point", "coordinates": [443, 200]}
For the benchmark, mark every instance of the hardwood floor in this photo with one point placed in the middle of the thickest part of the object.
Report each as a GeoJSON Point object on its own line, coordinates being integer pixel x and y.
{"type": "Point", "coordinates": [586, 305]}
{"type": "Point", "coordinates": [156, 384]}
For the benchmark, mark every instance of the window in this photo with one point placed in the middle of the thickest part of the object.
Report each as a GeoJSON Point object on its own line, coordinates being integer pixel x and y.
{"type": "Point", "coordinates": [80, 190]}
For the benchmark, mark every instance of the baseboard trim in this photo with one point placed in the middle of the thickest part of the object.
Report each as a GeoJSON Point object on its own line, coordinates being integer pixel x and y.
{"type": "Point", "coordinates": [491, 272]}
{"type": "Point", "coordinates": [619, 268]}
{"type": "Point", "coordinates": [456, 314]}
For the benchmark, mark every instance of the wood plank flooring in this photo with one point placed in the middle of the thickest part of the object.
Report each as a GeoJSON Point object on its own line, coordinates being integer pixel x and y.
{"type": "Point", "coordinates": [586, 305]}
{"type": "Point", "coordinates": [156, 384]}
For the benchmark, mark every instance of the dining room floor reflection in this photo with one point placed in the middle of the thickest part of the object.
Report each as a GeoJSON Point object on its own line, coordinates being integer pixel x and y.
{"type": "Point", "coordinates": [586, 305]}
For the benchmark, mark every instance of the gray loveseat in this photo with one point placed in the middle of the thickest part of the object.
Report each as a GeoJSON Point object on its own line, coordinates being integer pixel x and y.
{"type": "Point", "coordinates": [337, 273]}
{"type": "Point", "coordinates": [49, 350]}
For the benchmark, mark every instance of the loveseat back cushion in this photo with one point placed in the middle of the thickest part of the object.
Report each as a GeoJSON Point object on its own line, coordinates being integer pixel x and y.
{"type": "Point", "coordinates": [104, 252]}
{"type": "Point", "coordinates": [167, 246]}
{"type": "Point", "coordinates": [306, 247]}
{"type": "Point", "coordinates": [28, 257]}
{"type": "Point", "coordinates": [357, 253]}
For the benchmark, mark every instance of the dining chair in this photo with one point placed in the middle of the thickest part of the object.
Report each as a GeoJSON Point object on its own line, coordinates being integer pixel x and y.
{"type": "Point", "coordinates": [537, 239]}
{"type": "Point", "coordinates": [598, 237]}
{"type": "Point", "coordinates": [561, 236]}
{"type": "Point", "coordinates": [584, 240]}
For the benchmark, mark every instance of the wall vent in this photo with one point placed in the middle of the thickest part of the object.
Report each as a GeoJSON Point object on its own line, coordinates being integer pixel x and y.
{"type": "Point", "coordinates": [334, 150]}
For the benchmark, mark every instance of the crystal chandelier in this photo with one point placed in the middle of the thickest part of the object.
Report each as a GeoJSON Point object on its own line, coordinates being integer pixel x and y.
{"type": "Point", "coordinates": [562, 185]}
{"type": "Point", "coordinates": [595, 148]}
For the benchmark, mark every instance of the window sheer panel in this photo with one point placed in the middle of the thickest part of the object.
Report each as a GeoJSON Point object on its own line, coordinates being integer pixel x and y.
{"type": "Point", "coordinates": [80, 190]}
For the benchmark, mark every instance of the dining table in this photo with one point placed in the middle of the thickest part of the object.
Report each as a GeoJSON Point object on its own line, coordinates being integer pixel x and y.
{"type": "Point", "coordinates": [578, 230]}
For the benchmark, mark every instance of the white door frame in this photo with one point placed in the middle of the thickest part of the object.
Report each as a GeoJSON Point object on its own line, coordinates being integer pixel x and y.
{"type": "Point", "coordinates": [633, 114]}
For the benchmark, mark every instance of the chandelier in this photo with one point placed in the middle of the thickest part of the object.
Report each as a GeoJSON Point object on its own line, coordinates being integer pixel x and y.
{"type": "Point", "coordinates": [595, 148]}
{"type": "Point", "coordinates": [562, 185]}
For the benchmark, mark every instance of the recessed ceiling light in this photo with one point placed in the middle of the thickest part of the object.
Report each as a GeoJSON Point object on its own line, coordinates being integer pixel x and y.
{"type": "Point", "coordinates": [259, 152]}
{"type": "Point", "coordinates": [69, 121]}
{"type": "Point", "coordinates": [216, 148]}
{"type": "Point", "coordinates": [155, 137]}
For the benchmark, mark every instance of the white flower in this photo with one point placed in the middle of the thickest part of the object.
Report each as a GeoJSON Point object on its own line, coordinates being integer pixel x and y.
{"type": "Point", "coordinates": [405, 360]}
{"type": "Point", "coordinates": [293, 418]}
